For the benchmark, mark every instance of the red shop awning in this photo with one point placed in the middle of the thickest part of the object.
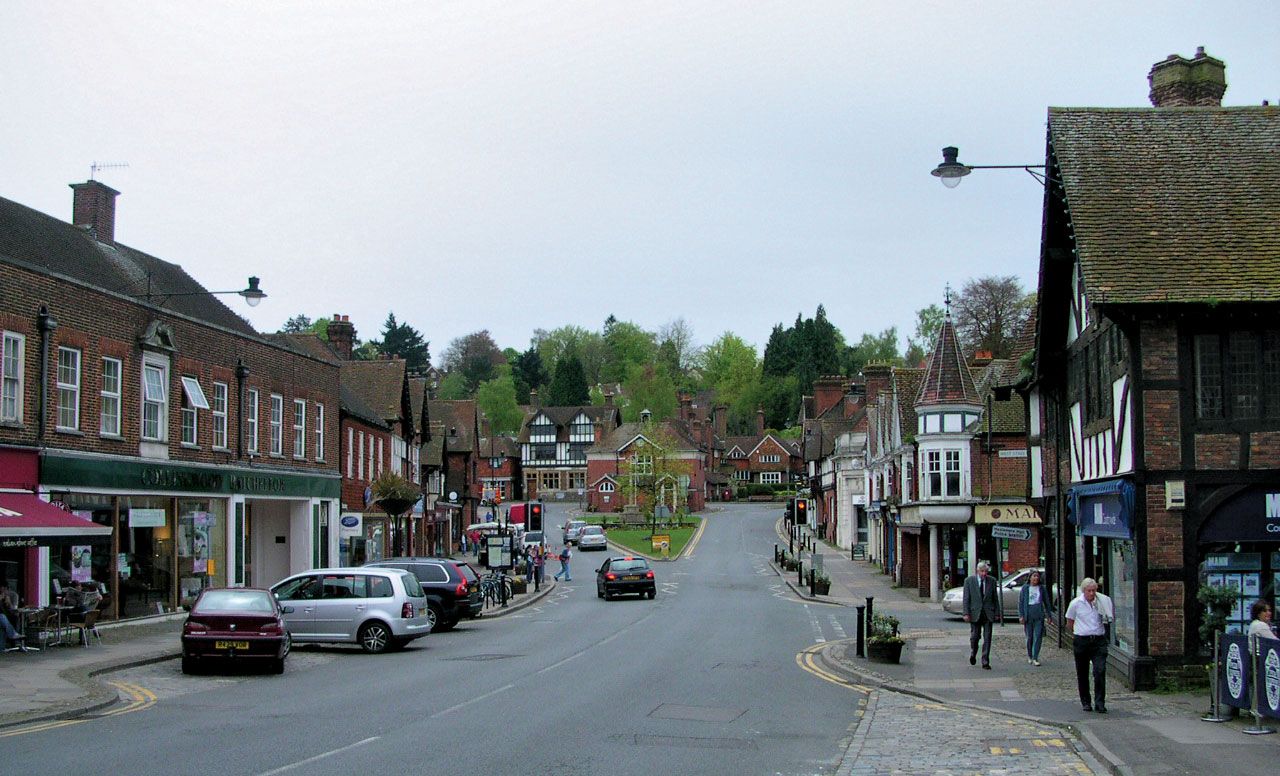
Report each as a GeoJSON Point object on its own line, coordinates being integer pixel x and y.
{"type": "Point", "coordinates": [22, 514]}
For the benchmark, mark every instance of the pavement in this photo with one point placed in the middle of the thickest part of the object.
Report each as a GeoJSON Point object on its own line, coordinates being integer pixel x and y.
{"type": "Point", "coordinates": [64, 682]}
{"type": "Point", "coordinates": [1143, 733]}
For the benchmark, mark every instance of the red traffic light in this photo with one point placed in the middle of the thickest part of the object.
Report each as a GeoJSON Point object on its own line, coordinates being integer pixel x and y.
{"type": "Point", "coordinates": [537, 509]}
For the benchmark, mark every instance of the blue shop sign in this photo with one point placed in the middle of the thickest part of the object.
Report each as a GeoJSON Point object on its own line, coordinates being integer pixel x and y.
{"type": "Point", "coordinates": [1253, 515]}
{"type": "Point", "coordinates": [1103, 509]}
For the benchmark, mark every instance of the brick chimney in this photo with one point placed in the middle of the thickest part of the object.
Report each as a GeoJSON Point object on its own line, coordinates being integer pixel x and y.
{"type": "Point", "coordinates": [981, 358]}
{"type": "Point", "coordinates": [877, 380]}
{"type": "Point", "coordinates": [608, 399]}
{"type": "Point", "coordinates": [533, 398]}
{"type": "Point", "coordinates": [686, 406]}
{"type": "Point", "coordinates": [342, 335]}
{"type": "Point", "coordinates": [94, 205]}
{"type": "Point", "coordinates": [827, 392]}
{"type": "Point", "coordinates": [1179, 82]}
{"type": "Point", "coordinates": [720, 414]}
{"type": "Point", "coordinates": [597, 427]}
{"type": "Point", "coordinates": [759, 421]}
{"type": "Point", "coordinates": [697, 432]}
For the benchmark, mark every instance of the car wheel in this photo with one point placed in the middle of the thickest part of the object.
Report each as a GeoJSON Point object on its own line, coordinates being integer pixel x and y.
{"type": "Point", "coordinates": [433, 615]}
{"type": "Point", "coordinates": [375, 638]}
{"type": "Point", "coordinates": [599, 593]}
{"type": "Point", "coordinates": [188, 665]}
{"type": "Point", "coordinates": [444, 624]}
{"type": "Point", "coordinates": [288, 645]}
{"type": "Point", "coordinates": [277, 666]}
{"type": "Point", "coordinates": [653, 594]}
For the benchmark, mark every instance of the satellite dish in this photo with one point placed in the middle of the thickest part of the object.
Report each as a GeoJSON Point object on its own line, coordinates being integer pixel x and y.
{"type": "Point", "coordinates": [453, 495]}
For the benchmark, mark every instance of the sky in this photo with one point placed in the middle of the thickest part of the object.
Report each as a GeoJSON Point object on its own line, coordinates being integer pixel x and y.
{"type": "Point", "coordinates": [512, 166]}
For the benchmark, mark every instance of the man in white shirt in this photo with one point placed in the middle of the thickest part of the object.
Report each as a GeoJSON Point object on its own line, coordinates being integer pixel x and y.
{"type": "Point", "coordinates": [1087, 617]}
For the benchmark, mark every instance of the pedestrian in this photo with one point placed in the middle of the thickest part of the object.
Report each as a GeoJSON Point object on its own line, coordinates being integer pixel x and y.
{"type": "Point", "coordinates": [528, 565]}
{"type": "Point", "coordinates": [565, 555]}
{"type": "Point", "coordinates": [539, 565]}
{"type": "Point", "coordinates": [1260, 614]}
{"type": "Point", "coordinates": [1088, 616]}
{"type": "Point", "coordinates": [464, 542]}
{"type": "Point", "coordinates": [1032, 604]}
{"type": "Point", "coordinates": [982, 608]}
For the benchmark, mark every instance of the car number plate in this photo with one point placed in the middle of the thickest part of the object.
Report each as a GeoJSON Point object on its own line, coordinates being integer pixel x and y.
{"type": "Point", "coordinates": [632, 576]}
{"type": "Point", "coordinates": [230, 645]}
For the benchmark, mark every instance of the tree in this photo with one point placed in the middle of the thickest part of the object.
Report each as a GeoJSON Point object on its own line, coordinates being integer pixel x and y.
{"type": "Point", "coordinates": [298, 324]}
{"type": "Point", "coordinates": [990, 313]}
{"type": "Point", "coordinates": [453, 386]}
{"type": "Point", "coordinates": [731, 368]}
{"type": "Point", "coordinates": [873, 348]}
{"type": "Point", "coordinates": [928, 323]}
{"type": "Point", "coordinates": [569, 385]}
{"type": "Point", "coordinates": [677, 336]}
{"type": "Point", "coordinates": [401, 339]}
{"type": "Point", "coordinates": [497, 400]}
{"type": "Point", "coordinates": [529, 373]}
{"type": "Point", "coordinates": [652, 472]}
{"type": "Point", "coordinates": [476, 356]}
{"type": "Point", "coordinates": [558, 344]}
{"type": "Point", "coordinates": [649, 387]}
{"type": "Point", "coordinates": [626, 345]}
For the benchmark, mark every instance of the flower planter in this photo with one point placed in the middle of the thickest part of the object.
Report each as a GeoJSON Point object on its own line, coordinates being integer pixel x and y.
{"type": "Point", "coordinates": [821, 586]}
{"type": "Point", "coordinates": [885, 651]}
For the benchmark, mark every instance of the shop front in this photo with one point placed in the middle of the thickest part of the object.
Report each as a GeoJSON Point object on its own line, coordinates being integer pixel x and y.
{"type": "Point", "coordinates": [1238, 547]}
{"type": "Point", "coordinates": [1103, 515]}
{"type": "Point", "coordinates": [950, 550]}
{"type": "Point", "coordinates": [176, 529]}
{"type": "Point", "coordinates": [44, 548]}
{"type": "Point", "coordinates": [1010, 534]}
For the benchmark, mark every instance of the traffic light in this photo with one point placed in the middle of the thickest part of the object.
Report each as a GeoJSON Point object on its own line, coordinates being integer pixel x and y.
{"type": "Point", "coordinates": [802, 510]}
{"type": "Point", "coordinates": [535, 516]}
{"type": "Point", "coordinates": [497, 497]}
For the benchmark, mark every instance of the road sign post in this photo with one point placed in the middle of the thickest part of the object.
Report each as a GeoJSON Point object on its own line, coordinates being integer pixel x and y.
{"type": "Point", "coordinates": [1010, 532]}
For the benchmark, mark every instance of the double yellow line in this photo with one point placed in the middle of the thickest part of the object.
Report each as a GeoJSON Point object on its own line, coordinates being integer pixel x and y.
{"type": "Point", "coordinates": [807, 659]}
{"type": "Point", "coordinates": [139, 698]}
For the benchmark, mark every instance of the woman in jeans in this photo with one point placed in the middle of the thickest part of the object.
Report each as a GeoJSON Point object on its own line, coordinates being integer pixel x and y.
{"type": "Point", "coordinates": [1032, 605]}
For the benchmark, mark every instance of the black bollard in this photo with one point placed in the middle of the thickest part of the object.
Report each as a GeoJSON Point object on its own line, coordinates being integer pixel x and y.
{"type": "Point", "coordinates": [799, 572]}
{"type": "Point", "coordinates": [811, 574]}
{"type": "Point", "coordinates": [862, 633]}
{"type": "Point", "coordinates": [775, 552]}
{"type": "Point", "coordinates": [852, 547]}
{"type": "Point", "coordinates": [791, 539]}
{"type": "Point", "coordinates": [870, 608]}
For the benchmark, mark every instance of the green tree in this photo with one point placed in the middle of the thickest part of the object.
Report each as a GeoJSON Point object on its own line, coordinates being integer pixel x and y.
{"type": "Point", "coordinates": [676, 343]}
{"type": "Point", "coordinates": [401, 339]}
{"type": "Point", "coordinates": [928, 323]}
{"type": "Point", "coordinates": [497, 400]}
{"type": "Point", "coordinates": [529, 373]}
{"type": "Point", "coordinates": [558, 344]}
{"type": "Point", "coordinates": [297, 324]}
{"type": "Point", "coordinates": [990, 313]}
{"type": "Point", "coordinates": [453, 386]}
{"type": "Point", "coordinates": [568, 385]}
{"type": "Point", "coordinates": [730, 367]}
{"type": "Point", "coordinates": [476, 356]}
{"type": "Point", "coordinates": [653, 473]}
{"type": "Point", "coordinates": [649, 387]}
{"type": "Point", "coordinates": [873, 348]}
{"type": "Point", "coordinates": [779, 352]}
{"type": "Point", "coordinates": [780, 397]}
{"type": "Point", "coordinates": [626, 345]}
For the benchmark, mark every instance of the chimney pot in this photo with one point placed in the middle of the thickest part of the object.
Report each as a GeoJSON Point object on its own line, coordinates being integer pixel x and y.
{"type": "Point", "coordinates": [342, 336]}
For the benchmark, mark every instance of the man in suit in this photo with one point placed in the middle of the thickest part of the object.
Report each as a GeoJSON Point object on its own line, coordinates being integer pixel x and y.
{"type": "Point", "coordinates": [982, 608]}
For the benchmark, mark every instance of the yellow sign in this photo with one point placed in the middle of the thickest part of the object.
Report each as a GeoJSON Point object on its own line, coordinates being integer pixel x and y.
{"type": "Point", "coordinates": [1005, 513]}
{"type": "Point", "coordinates": [662, 543]}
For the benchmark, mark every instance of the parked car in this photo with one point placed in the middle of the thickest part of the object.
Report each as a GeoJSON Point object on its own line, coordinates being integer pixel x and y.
{"type": "Point", "coordinates": [452, 588]}
{"type": "Point", "coordinates": [1010, 589]}
{"type": "Point", "coordinates": [571, 530]}
{"type": "Point", "coordinates": [532, 539]}
{"type": "Point", "coordinates": [377, 608]}
{"type": "Point", "coordinates": [235, 625]}
{"type": "Point", "coordinates": [592, 538]}
{"type": "Point", "coordinates": [627, 575]}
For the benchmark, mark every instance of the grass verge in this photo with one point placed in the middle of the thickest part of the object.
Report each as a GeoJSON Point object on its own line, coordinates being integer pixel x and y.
{"type": "Point", "coordinates": [637, 539]}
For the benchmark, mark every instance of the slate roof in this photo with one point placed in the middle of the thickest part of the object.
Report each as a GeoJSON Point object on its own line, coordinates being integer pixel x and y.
{"type": "Point", "coordinates": [498, 447]}
{"type": "Point", "coordinates": [307, 343]}
{"type": "Point", "coordinates": [1172, 204]}
{"type": "Point", "coordinates": [46, 244]}
{"type": "Point", "coordinates": [908, 381]}
{"type": "Point", "coordinates": [946, 377]}
{"type": "Point", "coordinates": [379, 383]}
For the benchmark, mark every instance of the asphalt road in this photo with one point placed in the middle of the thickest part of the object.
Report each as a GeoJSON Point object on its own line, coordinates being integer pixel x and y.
{"type": "Point", "coordinates": [703, 679]}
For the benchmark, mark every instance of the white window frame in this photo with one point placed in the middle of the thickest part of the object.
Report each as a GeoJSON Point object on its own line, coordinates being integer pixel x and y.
{"type": "Point", "coordinates": [351, 450]}
{"type": "Point", "coordinates": [195, 394]}
{"type": "Point", "coordinates": [110, 394]}
{"type": "Point", "coordinates": [953, 464]}
{"type": "Point", "coordinates": [382, 461]}
{"type": "Point", "coordinates": [607, 487]}
{"type": "Point", "coordinates": [373, 474]}
{"type": "Point", "coordinates": [360, 458]}
{"type": "Point", "coordinates": [771, 458]}
{"type": "Point", "coordinates": [299, 428]}
{"type": "Point", "coordinates": [220, 395]}
{"type": "Point", "coordinates": [193, 399]}
{"type": "Point", "coordinates": [13, 353]}
{"type": "Point", "coordinates": [319, 432]}
{"type": "Point", "coordinates": [770, 478]}
{"type": "Point", "coordinates": [933, 468]}
{"type": "Point", "coordinates": [155, 395]}
{"type": "Point", "coordinates": [68, 417]}
{"type": "Point", "coordinates": [251, 421]}
{"type": "Point", "coordinates": [277, 424]}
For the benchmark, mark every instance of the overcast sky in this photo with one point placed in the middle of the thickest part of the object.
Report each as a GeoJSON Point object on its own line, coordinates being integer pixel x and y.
{"type": "Point", "coordinates": [519, 165]}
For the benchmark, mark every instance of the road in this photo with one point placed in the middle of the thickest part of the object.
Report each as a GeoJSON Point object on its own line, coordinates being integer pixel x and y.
{"type": "Point", "coordinates": [704, 679]}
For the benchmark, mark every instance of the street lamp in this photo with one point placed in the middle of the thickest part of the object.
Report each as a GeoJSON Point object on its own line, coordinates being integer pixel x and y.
{"type": "Point", "coordinates": [951, 171]}
{"type": "Point", "coordinates": [253, 295]}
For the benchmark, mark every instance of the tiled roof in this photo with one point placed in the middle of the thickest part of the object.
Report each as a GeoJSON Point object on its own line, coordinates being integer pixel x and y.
{"type": "Point", "coordinates": [354, 405]}
{"type": "Point", "coordinates": [45, 244]}
{"type": "Point", "coordinates": [379, 383]}
{"type": "Point", "coordinates": [432, 451]}
{"type": "Point", "coordinates": [417, 397]}
{"type": "Point", "coordinates": [947, 379]}
{"type": "Point", "coordinates": [457, 418]}
{"type": "Point", "coordinates": [908, 381]}
{"type": "Point", "coordinates": [1172, 204]}
{"type": "Point", "coordinates": [307, 343]}
{"type": "Point", "coordinates": [607, 414]}
{"type": "Point", "coordinates": [676, 430]}
{"type": "Point", "coordinates": [498, 446]}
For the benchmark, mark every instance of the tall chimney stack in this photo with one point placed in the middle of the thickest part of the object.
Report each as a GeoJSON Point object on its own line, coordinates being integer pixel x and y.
{"type": "Point", "coordinates": [1180, 82]}
{"type": "Point", "coordinates": [759, 421]}
{"type": "Point", "coordinates": [94, 205]}
{"type": "Point", "coordinates": [342, 335]}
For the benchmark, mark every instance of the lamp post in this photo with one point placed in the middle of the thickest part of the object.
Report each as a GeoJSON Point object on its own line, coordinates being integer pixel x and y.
{"type": "Point", "coordinates": [951, 171]}
{"type": "Point", "coordinates": [253, 295]}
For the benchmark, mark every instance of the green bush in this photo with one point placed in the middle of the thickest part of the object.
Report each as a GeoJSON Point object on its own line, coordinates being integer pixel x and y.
{"type": "Point", "coordinates": [884, 628]}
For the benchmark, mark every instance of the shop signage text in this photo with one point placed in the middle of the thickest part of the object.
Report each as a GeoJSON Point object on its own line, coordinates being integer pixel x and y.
{"type": "Point", "coordinates": [1005, 513]}
{"type": "Point", "coordinates": [18, 543]}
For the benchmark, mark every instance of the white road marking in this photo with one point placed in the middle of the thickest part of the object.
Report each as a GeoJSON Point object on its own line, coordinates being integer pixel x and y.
{"type": "Point", "coordinates": [310, 760]}
{"type": "Point", "coordinates": [817, 626]}
{"type": "Point", "coordinates": [836, 626]}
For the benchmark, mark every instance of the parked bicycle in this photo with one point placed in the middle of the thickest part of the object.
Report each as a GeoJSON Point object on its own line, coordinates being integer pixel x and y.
{"type": "Point", "coordinates": [495, 588]}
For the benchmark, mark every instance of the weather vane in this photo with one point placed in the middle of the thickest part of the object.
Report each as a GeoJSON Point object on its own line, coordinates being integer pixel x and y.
{"type": "Point", "coordinates": [947, 297]}
{"type": "Point", "coordinates": [93, 168]}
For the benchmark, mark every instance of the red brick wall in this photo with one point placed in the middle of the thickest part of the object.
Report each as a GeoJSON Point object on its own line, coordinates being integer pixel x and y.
{"type": "Point", "coordinates": [104, 325]}
{"type": "Point", "coordinates": [1008, 475]}
{"type": "Point", "coordinates": [1023, 553]}
{"type": "Point", "coordinates": [1166, 618]}
{"type": "Point", "coordinates": [353, 486]}
{"type": "Point", "coordinates": [1264, 450]}
{"type": "Point", "coordinates": [923, 567]}
{"type": "Point", "coordinates": [1217, 451]}
{"type": "Point", "coordinates": [1160, 426]}
{"type": "Point", "coordinates": [909, 557]}
{"type": "Point", "coordinates": [1164, 532]}
{"type": "Point", "coordinates": [1159, 350]}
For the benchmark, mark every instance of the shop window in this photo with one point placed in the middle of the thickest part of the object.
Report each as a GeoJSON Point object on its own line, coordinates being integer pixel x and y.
{"type": "Point", "coordinates": [299, 428]}
{"type": "Point", "coordinates": [109, 424]}
{"type": "Point", "coordinates": [201, 546]}
{"type": "Point", "coordinates": [68, 389]}
{"type": "Point", "coordinates": [220, 415]}
{"type": "Point", "coordinates": [11, 376]}
{"type": "Point", "coordinates": [277, 424]}
{"type": "Point", "coordinates": [155, 402]}
{"type": "Point", "coordinates": [251, 422]}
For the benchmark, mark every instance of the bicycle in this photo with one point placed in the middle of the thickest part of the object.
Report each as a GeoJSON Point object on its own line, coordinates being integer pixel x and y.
{"type": "Point", "coordinates": [495, 588]}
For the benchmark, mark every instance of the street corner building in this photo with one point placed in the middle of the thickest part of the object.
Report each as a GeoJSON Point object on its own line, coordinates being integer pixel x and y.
{"type": "Point", "coordinates": [188, 450]}
{"type": "Point", "coordinates": [1155, 398]}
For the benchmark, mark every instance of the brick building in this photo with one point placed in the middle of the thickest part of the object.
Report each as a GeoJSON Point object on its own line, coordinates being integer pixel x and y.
{"type": "Point", "coordinates": [207, 452]}
{"type": "Point", "coordinates": [553, 448]}
{"type": "Point", "coordinates": [1155, 407]}
{"type": "Point", "coordinates": [669, 454]}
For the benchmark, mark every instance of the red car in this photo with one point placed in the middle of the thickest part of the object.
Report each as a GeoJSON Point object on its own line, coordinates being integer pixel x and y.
{"type": "Point", "coordinates": [234, 625]}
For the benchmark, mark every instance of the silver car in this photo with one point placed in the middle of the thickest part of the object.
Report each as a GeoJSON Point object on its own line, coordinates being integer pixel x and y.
{"type": "Point", "coordinates": [571, 530]}
{"type": "Point", "coordinates": [592, 538]}
{"type": "Point", "coordinates": [1010, 589]}
{"type": "Point", "coordinates": [376, 608]}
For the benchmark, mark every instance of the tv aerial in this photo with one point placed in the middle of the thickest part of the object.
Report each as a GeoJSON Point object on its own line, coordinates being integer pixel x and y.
{"type": "Point", "coordinates": [94, 167]}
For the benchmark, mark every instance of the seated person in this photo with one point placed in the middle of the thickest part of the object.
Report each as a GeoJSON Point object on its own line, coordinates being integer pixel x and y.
{"type": "Point", "coordinates": [90, 596]}
{"type": "Point", "coordinates": [11, 638]}
{"type": "Point", "coordinates": [8, 601]}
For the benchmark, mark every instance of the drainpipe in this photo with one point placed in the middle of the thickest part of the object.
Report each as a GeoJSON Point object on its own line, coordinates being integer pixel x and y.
{"type": "Point", "coordinates": [242, 374]}
{"type": "Point", "coordinates": [46, 324]}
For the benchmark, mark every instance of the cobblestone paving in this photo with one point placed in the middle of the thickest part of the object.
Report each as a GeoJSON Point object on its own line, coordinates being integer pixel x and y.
{"type": "Point", "coordinates": [900, 734]}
